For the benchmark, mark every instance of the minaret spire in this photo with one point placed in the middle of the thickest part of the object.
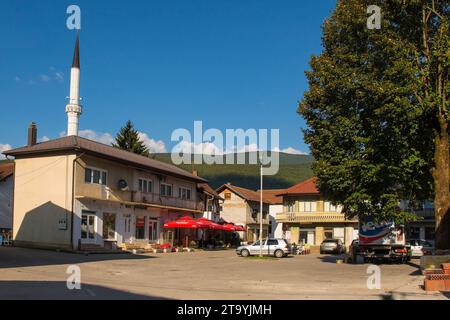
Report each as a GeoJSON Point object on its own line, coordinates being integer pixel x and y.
{"type": "Point", "coordinates": [76, 55]}
{"type": "Point", "coordinates": [74, 109]}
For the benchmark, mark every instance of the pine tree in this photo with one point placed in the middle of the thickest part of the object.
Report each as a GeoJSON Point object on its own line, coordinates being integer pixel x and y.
{"type": "Point", "coordinates": [128, 139]}
{"type": "Point", "coordinates": [377, 109]}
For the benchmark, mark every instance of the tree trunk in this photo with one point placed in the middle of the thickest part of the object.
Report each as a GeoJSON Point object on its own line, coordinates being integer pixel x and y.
{"type": "Point", "coordinates": [441, 174]}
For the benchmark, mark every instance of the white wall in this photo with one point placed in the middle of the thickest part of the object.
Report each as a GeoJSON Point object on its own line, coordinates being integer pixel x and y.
{"type": "Point", "coordinates": [6, 191]}
{"type": "Point", "coordinates": [277, 227]}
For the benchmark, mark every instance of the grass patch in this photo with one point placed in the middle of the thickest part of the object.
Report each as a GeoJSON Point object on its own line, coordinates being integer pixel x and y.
{"type": "Point", "coordinates": [262, 258]}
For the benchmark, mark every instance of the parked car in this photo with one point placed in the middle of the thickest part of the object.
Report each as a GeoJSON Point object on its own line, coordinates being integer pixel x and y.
{"type": "Point", "coordinates": [420, 247]}
{"type": "Point", "coordinates": [332, 246]}
{"type": "Point", "coordinates": [271, 247]}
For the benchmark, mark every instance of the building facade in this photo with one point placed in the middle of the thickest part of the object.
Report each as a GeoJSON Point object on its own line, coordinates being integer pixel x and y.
{"type": "Point", "coordinates": [275, 206]}
{"type": "Point", "coordinates": [6, 195]}
{"type": "Point", "coordinates": [73, 193]}
{"type": "Point", "coordinates": [242, 206]}
{"type": "Point", "coordinates": [308, 217]}
{"type": "Point", "coordinates": [424, 227]}
{"type": "Point", "coordinates": [210, 200]}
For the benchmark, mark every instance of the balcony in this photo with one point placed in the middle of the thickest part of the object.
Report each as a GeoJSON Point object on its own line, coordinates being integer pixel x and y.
{"type": "Point", "coordinates": [312, 217]}
{"type": "Point", "coordinates": [105, 193]}
{"type": "Point", "coordinates": [153, 198]}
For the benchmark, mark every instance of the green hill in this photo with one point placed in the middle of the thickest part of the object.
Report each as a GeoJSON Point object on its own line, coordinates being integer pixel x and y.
{"type": "Point", "coordinates": [293, 169]}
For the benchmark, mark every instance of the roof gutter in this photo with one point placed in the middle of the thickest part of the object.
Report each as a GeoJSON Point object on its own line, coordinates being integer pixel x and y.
{"type": "Point", "coordinates": [73, 198]}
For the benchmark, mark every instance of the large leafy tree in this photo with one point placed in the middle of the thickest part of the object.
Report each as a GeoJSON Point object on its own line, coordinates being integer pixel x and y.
{"type": "Point", "coordinates": [128, 139]}
{"type": "Point", "coordinates": [377, 109]}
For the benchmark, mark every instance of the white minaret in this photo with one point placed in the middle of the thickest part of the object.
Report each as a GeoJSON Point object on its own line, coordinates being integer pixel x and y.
{"type": "Point", "coordinates": [74, 109]}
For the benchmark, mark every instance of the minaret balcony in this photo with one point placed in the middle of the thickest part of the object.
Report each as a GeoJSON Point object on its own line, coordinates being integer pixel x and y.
{"type": "Point", "coordinates": [74, 108]}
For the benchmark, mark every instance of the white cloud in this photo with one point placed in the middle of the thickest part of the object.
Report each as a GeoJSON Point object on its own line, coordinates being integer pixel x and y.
{"type": "Point", "coordinates": [101, 137]}
{"type": "Point", "coordinates": [106, 138]}
{"type": "Point", "coordinates": [44, 78]}
{"type": "Point", "coordinates": [291, 150]}
{"type": "Point", "coordinates": [211, 149]}
{"type": "Point", "coordinates": [3, 148]}
{"type": "Point", "coordinates": [59, 76]}
{"type": "Point", "coordinates": [153, 145]}
{"type": "Point", "coordinates": [187, 147]}
{"type": "Point", "coordinates": [17, 79]}
{"type": "Point", "coordinates": [45, 138]}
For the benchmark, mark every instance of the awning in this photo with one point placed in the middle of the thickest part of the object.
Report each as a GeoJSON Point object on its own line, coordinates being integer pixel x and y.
{"type": "Point", "coordinates": [185, 222]}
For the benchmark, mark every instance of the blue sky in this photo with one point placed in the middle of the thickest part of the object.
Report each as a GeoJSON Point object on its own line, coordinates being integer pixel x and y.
{"type": "Point", "coordinates": [161, 63]}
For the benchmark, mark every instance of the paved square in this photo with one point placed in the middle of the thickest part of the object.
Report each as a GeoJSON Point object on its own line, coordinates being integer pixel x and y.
{"type": "Point", "coordinates": [40, 274]}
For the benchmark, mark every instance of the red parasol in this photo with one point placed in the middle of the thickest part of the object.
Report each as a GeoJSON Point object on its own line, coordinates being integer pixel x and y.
{"type": "Point", "coordinates": [184, 222]}
{"type": "Point", "coordinates": [208, 224]}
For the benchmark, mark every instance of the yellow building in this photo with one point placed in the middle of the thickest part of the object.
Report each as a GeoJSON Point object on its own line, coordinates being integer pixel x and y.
{"type": "Point", "coordinates": [310, 218]}
{"type": "Point", "coordinates": [72, 193]}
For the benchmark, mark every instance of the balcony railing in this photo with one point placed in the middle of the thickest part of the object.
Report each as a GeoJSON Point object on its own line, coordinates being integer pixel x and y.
{"type": "Point", "coordinates": [106, 193]}
{"type": "Point", "coordinates": [312, 217]}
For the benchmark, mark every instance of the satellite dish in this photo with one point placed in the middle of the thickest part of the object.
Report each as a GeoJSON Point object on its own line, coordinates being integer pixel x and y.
{"type": "Point", "coordinates": [123, 185]}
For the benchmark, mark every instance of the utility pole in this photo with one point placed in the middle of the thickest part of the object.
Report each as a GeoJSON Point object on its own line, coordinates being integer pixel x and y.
{"type": "Point", "coordinates": [261, 216]}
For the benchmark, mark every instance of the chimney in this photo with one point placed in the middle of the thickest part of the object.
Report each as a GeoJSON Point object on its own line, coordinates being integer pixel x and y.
{"type": "Point", "coordinates": [32, 134]}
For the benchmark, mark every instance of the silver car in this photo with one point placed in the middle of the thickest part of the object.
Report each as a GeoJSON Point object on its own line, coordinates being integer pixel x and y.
{"type": "Point", "coordinates": [332, 246]}
{"type": "Point", "coordinates": [271, 247]}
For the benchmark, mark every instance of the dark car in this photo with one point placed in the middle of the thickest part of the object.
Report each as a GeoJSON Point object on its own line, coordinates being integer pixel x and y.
{"type": "Point", "coordinates": [332, 246]}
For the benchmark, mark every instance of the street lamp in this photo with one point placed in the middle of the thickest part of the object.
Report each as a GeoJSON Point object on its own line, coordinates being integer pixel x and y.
{"type": "Point", "coordinates": [261, 215]}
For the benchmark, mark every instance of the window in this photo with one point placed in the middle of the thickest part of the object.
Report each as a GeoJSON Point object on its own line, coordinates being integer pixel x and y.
{"type": "Point", "coordinates": [95, 176]}
{"type": "Point", "coordinates": [109, 226]}
{"type": "Point", "coordinates": [140, 227]}
{"type": "Point", "coordinates": [272, 242]}
{"type": "Point", "coordinates": [329, 207]}
{"type": "Point", "coordinates": [290, 206]}
{"type": "Point", "coordinates": [307, 206]}
{"type": "Point", "coordinates": [227, 196]}
{"type": "Point", "coordinates": [145, 185]}
{"type": "Point", "coordinates": [166, 190]}
{"type": "Point", "coordinates": [328, 234]}
{"type": "Point", "coordinates": [184, 193]}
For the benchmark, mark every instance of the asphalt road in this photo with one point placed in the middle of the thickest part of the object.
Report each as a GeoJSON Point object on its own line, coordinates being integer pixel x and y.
{"type": "Point", "coordinates": [40, 274]}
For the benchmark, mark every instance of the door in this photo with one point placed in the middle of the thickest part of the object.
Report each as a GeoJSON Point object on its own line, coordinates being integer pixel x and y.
{"type": "Point", "coordinates": [127, 222]}
{"type": "Point", "coordinates": [88, 221]}
{"type": "Point", "coordinates": [109, 226]}
{"type": "Point", "coordinates": [153, 230]}
{"type": "Point", "coordinates": [310, 238]}
{"type": "Point", "coordinates": [255, 248]}
{"type": "Point", "coordinates": [272, 245]}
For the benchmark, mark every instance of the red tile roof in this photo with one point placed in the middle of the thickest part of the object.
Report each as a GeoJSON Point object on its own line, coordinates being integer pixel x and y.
{"type": "Point", "coordinates": [273, 195]}
{"type": "Point", "coordinates": [247, 194]}
{"type": "Point", "coordinates": [306, 187]}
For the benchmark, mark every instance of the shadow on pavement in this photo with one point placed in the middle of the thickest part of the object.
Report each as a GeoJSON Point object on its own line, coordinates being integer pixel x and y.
{"type": "Point", "coordinates": [331, 258]}
{"type": "Point", "coordinates": [13, 257]}
{"type": "Point", "coordinates": [57, 290]}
